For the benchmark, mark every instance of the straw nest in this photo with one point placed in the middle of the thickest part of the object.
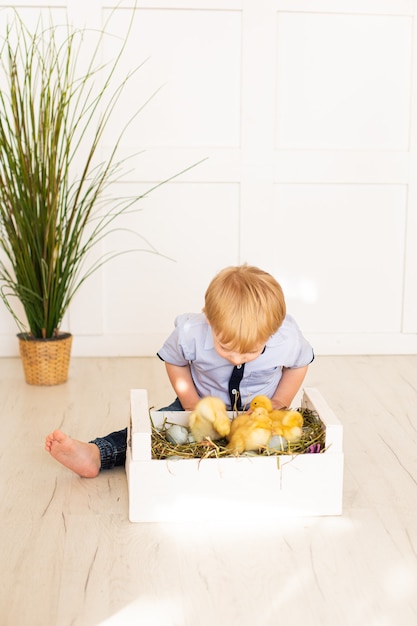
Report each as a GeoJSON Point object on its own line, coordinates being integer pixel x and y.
{"type": "Point", "coordinates": [312, 441]}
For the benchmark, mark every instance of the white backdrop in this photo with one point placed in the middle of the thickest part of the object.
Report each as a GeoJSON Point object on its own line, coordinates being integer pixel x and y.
{"type": "Point", "coordinates": [306, 110]}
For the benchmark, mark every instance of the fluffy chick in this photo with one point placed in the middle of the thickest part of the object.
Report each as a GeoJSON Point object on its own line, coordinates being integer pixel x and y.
{"type": "Point", "coordinates": [250, 431]}
{"type": "Point", "coordinates": [209, 419]}
{"type": "Point", "coordinates": [285, 422]}
{"type": "Point", "coordinates": [261, 401]}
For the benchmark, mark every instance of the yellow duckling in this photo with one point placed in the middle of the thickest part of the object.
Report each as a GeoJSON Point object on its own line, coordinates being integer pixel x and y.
{"type": "Point", "coordinates": [288, 424]}
{"type": "Point", "coordinates": [261, 401]}
{"type": "Point", "coordinates": [285, 422]}
{"type": "Point", "coordinates": [209, 419]}
{"type": "Point", "coordinates": [250, 431]}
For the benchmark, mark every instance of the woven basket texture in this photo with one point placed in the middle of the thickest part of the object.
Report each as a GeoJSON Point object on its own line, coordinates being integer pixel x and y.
{"type": "Point", "coordinates": [45, 361]}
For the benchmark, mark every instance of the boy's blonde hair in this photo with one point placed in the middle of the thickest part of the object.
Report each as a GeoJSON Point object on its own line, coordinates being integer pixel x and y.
{"type": "Point", "coordinates": [244, 306]}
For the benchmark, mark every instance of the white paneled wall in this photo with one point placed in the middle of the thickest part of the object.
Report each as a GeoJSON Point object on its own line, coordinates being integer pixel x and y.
{"type": "Point", "coordinates": [306, 112]}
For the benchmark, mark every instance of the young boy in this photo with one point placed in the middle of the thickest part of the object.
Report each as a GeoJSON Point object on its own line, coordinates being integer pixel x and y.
{"type": "Point", "coordinates": [241, 345]}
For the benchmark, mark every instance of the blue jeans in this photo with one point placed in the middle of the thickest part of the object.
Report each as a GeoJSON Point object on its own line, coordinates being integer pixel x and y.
{"type": "Point", "coordinates": [113, 446]}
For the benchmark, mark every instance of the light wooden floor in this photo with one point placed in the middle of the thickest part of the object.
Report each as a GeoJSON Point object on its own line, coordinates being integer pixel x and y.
{"type": "Point", "coordinates": [69, 555]}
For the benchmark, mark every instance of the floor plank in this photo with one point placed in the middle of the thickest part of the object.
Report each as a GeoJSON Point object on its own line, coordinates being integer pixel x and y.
{"type": "Point", "coordinates": [70, 556]}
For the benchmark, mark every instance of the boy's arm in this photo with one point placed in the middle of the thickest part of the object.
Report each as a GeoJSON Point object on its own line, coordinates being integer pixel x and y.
{"type": "Point", "coordinates": [182, 382]}
{"type": "Point", "coordinates": [288, 386]}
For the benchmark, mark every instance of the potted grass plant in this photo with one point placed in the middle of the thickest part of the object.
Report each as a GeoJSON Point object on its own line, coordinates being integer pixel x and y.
{"type": "Point", "coordinates": [53, 182]}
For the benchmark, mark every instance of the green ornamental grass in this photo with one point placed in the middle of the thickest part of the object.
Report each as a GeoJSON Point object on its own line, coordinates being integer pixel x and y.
{"type": "Point", "coordinates": [49, 220]}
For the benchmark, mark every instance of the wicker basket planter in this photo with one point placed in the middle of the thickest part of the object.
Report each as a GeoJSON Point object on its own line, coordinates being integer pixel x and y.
{"type": "Point", "coordinates": [45, 361]}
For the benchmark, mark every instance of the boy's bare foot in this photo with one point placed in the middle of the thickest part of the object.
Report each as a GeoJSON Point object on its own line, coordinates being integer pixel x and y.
{"type": "Point", "coordinates": [80, 457]}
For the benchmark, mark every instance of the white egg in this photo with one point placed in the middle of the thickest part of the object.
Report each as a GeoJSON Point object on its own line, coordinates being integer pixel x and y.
{"type": "Point", "coordinates": [278, 443]}
{"type": "Point", "coordinates": [176, 434]}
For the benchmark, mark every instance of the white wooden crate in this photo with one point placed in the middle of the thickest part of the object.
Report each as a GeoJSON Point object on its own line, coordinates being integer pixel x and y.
{"type": "Point", "coordinates": [235, 487]}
